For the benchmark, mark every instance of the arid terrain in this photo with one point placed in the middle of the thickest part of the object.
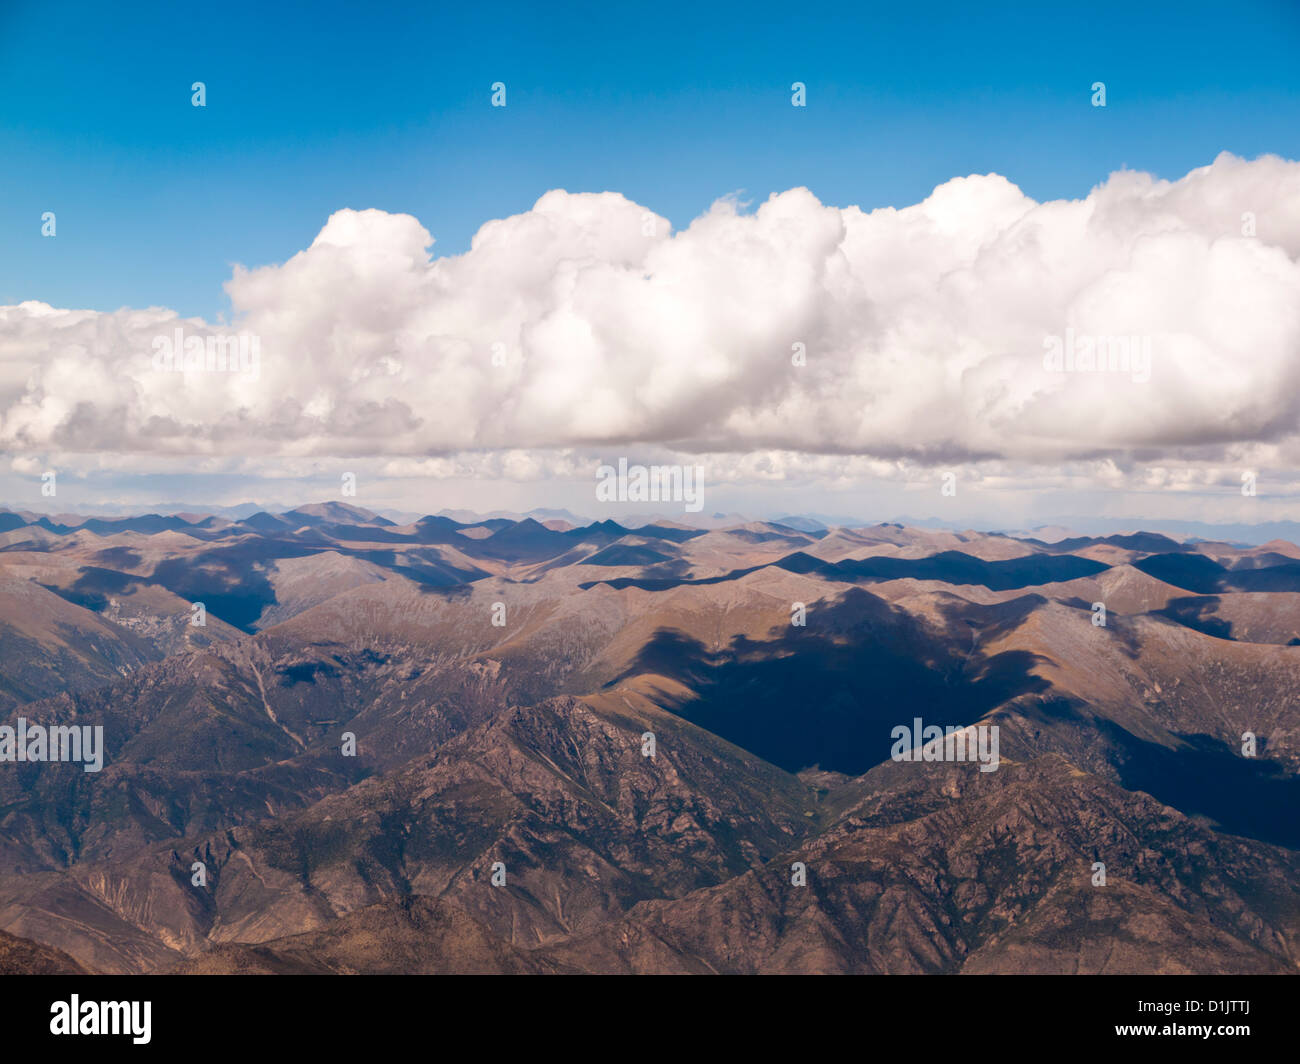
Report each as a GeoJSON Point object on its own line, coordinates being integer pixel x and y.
{"type": "Point", "coordinates": [499, 677]}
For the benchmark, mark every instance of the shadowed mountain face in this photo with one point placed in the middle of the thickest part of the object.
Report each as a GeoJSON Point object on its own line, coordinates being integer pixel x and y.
{"type": "Point", "coordinates": [951, 567]}
{"type": "Point", "coordinates": [1204, 576]}
{"type": "Point", "coordinates": [498, 746]}
{"type": "Point", "coordinates": [18, 956]}
{"type": "Point", "coordinates": [828, 693]}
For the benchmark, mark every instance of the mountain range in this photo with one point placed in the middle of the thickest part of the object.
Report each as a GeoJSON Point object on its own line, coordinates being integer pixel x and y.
{"type": "Point", "coordinates": [532, 744]}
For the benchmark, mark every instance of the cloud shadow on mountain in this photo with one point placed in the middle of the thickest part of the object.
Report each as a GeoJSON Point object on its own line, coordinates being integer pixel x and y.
{"type": "Point", "coordinates": [828, 694]}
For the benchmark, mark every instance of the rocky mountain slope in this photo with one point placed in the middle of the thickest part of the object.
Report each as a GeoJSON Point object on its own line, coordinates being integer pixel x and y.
{"type": "Point", "coordinates": [501, 746]}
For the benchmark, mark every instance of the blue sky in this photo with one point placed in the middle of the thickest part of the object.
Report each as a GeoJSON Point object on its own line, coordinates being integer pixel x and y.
{"type": "Point", "coordinates": [317, 106]}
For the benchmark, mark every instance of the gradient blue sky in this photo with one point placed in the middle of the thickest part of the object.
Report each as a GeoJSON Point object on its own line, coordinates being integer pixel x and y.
{"type": "Point", "coordinates": [317, 106]}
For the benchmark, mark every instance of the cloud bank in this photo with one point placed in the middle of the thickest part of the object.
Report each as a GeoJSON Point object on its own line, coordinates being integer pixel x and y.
{"type": "Point", "coordinates": [795, 336]}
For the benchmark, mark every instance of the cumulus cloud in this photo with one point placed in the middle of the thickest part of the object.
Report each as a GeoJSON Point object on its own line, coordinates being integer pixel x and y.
{"type": "Point", "coordinates": [584, 325]}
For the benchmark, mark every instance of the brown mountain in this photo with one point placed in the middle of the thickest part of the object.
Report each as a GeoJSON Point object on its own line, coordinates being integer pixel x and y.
{"type": "Point", "coordinates": [499, 677]}
{"type": "Point", "coordinates": [18, 956]}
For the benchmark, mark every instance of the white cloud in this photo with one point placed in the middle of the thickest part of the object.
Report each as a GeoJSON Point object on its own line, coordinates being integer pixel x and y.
{"type": "Point", "coordinates": [924, 329]}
